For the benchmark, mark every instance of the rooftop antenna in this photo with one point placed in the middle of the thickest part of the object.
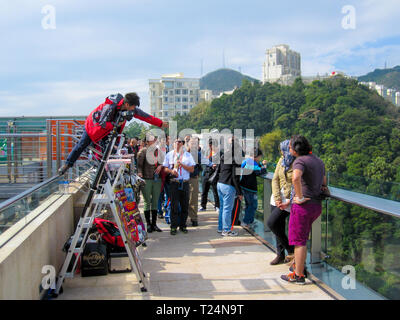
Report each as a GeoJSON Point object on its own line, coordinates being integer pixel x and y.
{"type": "Point", "coordinates": [201, 68]}
{"type": "Point", "coordinates": [223, 58]}
{"type": "Point", "coordinates": [385, 64]}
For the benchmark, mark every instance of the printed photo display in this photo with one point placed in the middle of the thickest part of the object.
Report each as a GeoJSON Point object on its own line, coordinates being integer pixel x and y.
{"type": "Point", "coordinates": [130, 216]}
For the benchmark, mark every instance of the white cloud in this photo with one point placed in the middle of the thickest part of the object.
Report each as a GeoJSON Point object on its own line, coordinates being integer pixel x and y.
{"type": "Point", "coordinates": [68, 98]}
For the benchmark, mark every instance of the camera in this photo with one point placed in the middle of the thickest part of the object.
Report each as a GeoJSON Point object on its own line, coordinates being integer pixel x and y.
{"type": "Point", "coordinates": [127, 115]}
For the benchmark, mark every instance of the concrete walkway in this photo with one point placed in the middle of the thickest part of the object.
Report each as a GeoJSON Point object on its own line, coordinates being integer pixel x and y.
{"type": "Point", "coordinates": [198, 265]}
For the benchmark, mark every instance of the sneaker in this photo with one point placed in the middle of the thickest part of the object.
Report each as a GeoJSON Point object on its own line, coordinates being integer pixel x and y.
{"type": "Point", "coordinates": [160, 215]}
{"type": "Point", "coordinates": [202, 209]}
{"type": "Point", "coordinates": [229, 233]}
{"type": "Point", "coordinates": [293, 267]}
{"type": "Point", "coordinates": [183, 229]}
{"type": "Point", "coordinates": [216, 208]}
{"type": "Point", "coordinates": [294, 278]}
{"type": "Point", "coordinates": [195, 223]}
{"type": "Point", "coordinates": [278, 260]}
{"type": "Point", "coordinates": [173, 231]}
{"type": "Point", "coordinates": [219, 231]}
{"type": "Point", "coordinates": [245, 225]}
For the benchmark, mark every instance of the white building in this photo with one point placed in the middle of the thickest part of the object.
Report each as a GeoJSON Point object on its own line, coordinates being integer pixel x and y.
{"type": "Point", "coordinates": [389, 94]}
{"type": "Point", "coordinates": [173, 94]}
{"type": "Point", "coordinates": [281, 65]}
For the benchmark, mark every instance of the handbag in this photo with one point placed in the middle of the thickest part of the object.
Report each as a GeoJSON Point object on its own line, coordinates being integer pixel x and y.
{"type": "Point", "coordinates": [213, 179]}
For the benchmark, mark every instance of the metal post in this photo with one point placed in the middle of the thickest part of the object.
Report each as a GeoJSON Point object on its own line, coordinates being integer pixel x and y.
{"type": "Point", "coordinates": [9, 164]}
{"type": "Point", "coordinates": [49, 150]}
{"type": "Point", "coordinates": [58, 145]}
{"type": "Point", "coordinates": [316, 241]}
{"type": "Point", "coordinates": [266, 204]}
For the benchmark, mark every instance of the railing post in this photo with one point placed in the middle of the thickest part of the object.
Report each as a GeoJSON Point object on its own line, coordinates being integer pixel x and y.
{"type": "Point", "coordinates": [266, 204]}
{"type": "Point", "coordinates": [58, 145]}
{"type": "Point", "coordinates": [9, 150]}
{"type": "Point", "coordinates": [49, 150]}
{"type": "Point", "coordinates": [316, 241]}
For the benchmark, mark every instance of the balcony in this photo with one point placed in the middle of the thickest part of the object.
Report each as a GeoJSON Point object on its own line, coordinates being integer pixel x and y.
{"type": "Point", "coordinates": [357, 232]}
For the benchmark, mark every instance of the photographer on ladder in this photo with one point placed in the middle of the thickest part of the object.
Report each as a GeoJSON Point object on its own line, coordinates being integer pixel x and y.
{"type": "Point", "coordinates": [100, 122]}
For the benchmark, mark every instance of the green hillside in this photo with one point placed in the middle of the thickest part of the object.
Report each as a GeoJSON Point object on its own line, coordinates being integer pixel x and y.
{"type": "Point", "coordinates": [351, 127]}
{"type": "Point", "coordinates": [390, 78]}
{"type": "Point", "coordinates": [223, 80]}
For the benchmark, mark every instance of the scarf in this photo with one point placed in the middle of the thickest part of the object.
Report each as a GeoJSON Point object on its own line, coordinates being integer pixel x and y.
{"type": "Point", "coordinates": [287, 157]}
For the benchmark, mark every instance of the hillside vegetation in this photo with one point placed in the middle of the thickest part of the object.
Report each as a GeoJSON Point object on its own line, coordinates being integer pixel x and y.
{"type": "Point", "coordinates": [390, 78]}
{"type": "Point", "coordinates": [223, 80]}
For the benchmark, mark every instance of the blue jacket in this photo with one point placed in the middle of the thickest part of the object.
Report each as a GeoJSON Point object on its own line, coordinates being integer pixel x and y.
{"type": "Point", "coordinates": [250, 170]}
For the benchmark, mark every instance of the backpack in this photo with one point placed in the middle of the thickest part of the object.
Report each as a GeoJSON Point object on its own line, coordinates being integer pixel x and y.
{"type": "Point", "coordinates": [109, 232]}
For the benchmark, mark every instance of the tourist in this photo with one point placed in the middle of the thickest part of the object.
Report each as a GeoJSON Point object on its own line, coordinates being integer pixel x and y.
{"type": "Point", "coordinates": [193, 148]}
{"type": "Point", "coordinates": [280, 204]}
{"type": "Point", "coordinates": [149, 169]}
{"type": "Point", "coordinates": [179, 164]}
{"type": "Point", "coordinates": [251, 168]}
{"type": "Point", "coordinates": [208, 171]}
{"type": "Point", "coordinates": [101, 122]}
{"type": "Point", "coordinates": [308, 180]}
{"type": "Point", "coordinates": [228, 186]}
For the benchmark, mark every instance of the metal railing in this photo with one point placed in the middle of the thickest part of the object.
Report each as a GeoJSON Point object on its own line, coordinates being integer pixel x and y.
{"type": "Point", "coordinates": [32, 150]}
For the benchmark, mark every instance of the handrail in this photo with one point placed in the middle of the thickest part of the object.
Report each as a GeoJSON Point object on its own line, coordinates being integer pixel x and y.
{"type": "Point", "coordinates": [381, 205]}
{"type": "Point", "coordinates": [9, 202]}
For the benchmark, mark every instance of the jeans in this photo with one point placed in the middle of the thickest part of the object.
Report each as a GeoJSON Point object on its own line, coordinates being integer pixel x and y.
{"type": "Point", "coordinates": [251, 201]}
{"type": "Point", "coordinates": [277, 222]}
{"type": "Point", "coordinates": [226, 194]}
{"type": "Point", "coordinates": [79, 148]}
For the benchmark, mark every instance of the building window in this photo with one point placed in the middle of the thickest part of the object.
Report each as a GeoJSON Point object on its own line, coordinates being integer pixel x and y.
{"type": "Point", "coordinates": [184, 91]}
{"type": "Point", "coordinates": [191, 99]}
{"type": "Point", "coordinates": [166, 113]}
{"type": "Point", "coordinates": [177, 99]}
{"type": "Point", "coordinates": [171, 92]}
{"type": "Point", "coordinates": [168, 84]}
{"type": "Point", "coordinates": [178, 91]}
{"type": "Point", "coordinates": [165, 99]}
{"type": "Point", "coordinates": [191, 92]}
{"type": "Point", "coordinates": [185, 107]}
{"type": "Point", "coordinates": [184, 99]}
{"type": "Point", "coordinates": [165, 92]}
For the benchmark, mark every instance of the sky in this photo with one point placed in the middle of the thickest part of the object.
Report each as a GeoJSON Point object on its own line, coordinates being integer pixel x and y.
{"type": "Point", "coordinates": [63, 57]}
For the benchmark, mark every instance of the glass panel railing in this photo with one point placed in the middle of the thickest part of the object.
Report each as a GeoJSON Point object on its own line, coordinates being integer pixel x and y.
{"type": "Point", "coordinates": [19, 209]}
{"type": "Point", "coordinates": [367, 241]}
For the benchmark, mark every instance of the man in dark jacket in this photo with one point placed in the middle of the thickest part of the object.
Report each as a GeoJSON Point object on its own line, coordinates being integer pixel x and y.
{"type": "Point", "coordinates": [208, 171]}
{"type": "Point", "coordinates": [101, 122]}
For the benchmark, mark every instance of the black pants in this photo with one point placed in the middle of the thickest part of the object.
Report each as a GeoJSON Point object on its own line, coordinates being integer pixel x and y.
{"type": "Point", "coordinates": [277, 222]}
{"type": "Point", "coordinates": [179, 197]}
{"type": "Point", "coordinates": [204, 193]}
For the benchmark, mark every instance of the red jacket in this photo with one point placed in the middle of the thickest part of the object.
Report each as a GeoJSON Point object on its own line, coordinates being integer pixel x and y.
{"type": "Point", "coordinates": [100, 121]}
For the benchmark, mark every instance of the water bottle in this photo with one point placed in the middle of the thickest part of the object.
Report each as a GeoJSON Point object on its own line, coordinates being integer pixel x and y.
{"type": "Point", "coordinates": [63, 187]}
